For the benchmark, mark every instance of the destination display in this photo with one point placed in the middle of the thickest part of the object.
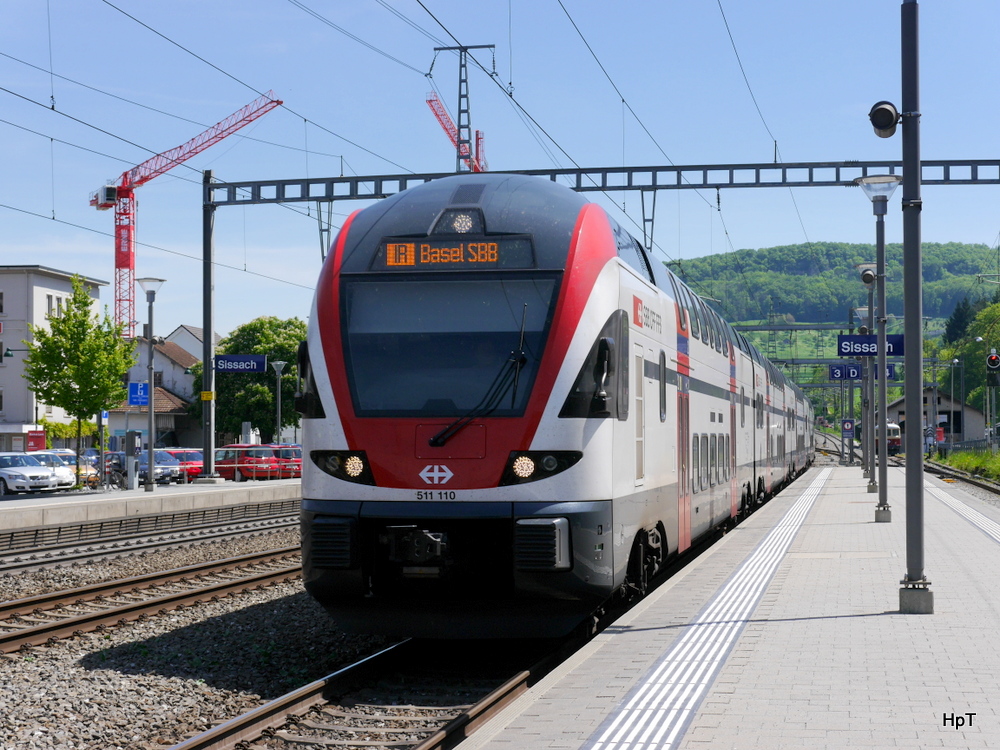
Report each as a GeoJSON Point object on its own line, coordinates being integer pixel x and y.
{"type": "Point", "coordinates": [440, 254]}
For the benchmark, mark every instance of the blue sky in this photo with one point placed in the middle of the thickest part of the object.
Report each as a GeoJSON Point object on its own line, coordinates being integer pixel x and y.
{"type": "Point", "coordinates": [129, 79]}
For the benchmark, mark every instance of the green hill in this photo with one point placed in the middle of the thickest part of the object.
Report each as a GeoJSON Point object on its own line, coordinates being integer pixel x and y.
{"type": "Point", "coordinates": [818, 282]}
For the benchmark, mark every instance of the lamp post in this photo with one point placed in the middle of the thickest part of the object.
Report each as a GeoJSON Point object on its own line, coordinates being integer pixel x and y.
{"type": "Point", "coordinates": [150, 286]}
{"type": "Point", "coordinates": [962, 412]}
{"type": "Point", "coordinates": [951, 405]}
{"type": "Point", "coordinates": [278, 367]}
{"type": "Point", "coordinates": [879, 188]}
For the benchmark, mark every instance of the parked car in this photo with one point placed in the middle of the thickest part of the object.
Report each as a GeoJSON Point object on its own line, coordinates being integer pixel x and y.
{"type": "Point", "coordinates": [166, 468]}
{"type": "Point", "coordinates": [240, 462]}
{"type": "Point", "coordinates": [191, 462]}
{"type": "Point", "coordinates": [21, 472]}
{"type": "Point", "coordinates": [289, 460]}
{"type": "Point", "coordinates": [58, 458]}
{"type": "Point", "coordinates": [64, 472]}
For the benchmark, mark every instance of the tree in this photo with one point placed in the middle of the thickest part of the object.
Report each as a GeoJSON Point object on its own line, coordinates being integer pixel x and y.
{"type": "Point", "coordinates": [958, 323]}
{"type": "Point", "coordinates": [249, 397]}
{"type": "Point", "coordinates": [78, 361]}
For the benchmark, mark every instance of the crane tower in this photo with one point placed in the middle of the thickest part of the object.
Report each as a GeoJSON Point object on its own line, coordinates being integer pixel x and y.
{"type": "Point", "coordinates": [476, 162]}
{"type": "Point", "coordinates": [121, 197]}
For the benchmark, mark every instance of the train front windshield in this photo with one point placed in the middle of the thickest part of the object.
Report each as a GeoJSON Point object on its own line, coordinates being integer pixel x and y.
{"type": "Point", "coordinates": [444, 347]}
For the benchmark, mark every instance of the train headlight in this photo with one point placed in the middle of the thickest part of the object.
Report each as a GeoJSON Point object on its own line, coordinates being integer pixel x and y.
{"type": "Point", "coordinates": [530, 466]}
{"type": "Point", "coordinates": [354, 466]}
{"type": "Point", "coordinates": [351, 466]}
{"type": "Point", "coordinates": [523, 467]}
{"type": "Point", "coordinates": [459, 221]}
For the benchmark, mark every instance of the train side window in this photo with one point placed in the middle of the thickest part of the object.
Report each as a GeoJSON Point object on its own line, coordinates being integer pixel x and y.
{"type": "Point", "coordinates": [679, 302]}
{"type": "Point", "coordinates": [695, 470]}
{"type": "Point", "coordinates": [713, 464]}
{"type": "Point", "coordinates": [704, 461]}
{"type": "Point", "coordinates": [692, 313]}
{"type": "Point", "coordinates": [703, 316]}
{"type": "Point", "coordinates": [663, 386]}
{"type": "Point", "coordinates": [728, 457]}
{"type": "Point", "coordinates": [743, 407]}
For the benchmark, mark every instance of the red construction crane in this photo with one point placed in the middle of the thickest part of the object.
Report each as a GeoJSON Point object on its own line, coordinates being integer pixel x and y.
{"type": "Point", "coordinates": [121, 197]}
{"type": "Point", "coordinates": [477, 162]}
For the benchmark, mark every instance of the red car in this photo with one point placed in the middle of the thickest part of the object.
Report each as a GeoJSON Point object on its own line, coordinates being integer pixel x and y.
{"type": "Point", "coordinates": [192, 462]}
{"type": "Point", "coordinates": [242, 461]}
{"type": "Point", "coordinates": [289, 460]}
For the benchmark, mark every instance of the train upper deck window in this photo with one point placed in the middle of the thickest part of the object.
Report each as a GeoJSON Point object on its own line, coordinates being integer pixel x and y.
{"type": "Point", "coordinates": [451, 252]}
{"type": "Point", "coordinates": [630, 251]}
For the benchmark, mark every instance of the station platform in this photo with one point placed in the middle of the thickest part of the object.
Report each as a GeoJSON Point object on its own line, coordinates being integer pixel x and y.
{"type": "Point", "coordinates": [80, 506]}
{"type": "Point", "coordinates": [787, 633]}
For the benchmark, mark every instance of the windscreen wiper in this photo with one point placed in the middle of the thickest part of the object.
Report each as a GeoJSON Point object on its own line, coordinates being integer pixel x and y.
{"type": "Point", "coordinates": [505, 380]}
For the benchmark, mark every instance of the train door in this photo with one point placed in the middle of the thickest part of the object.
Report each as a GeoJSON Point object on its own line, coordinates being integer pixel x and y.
{"type": "Point", "coordinates": [640, 415]}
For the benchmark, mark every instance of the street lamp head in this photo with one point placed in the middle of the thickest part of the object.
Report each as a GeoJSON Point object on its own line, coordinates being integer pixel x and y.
{"type": "Point", "coordinates": [150, 285]}
{"type": "Point", "coordinates": [278, 366]}
{"type": "Point", "coordinates": [879, 188]}
{"type": "Point", "coordinates": [879, 184]}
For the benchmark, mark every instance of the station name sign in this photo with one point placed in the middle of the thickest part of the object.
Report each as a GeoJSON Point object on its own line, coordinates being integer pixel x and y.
{"type": "Point", "coordinates": [867, 345]}
{"type": "Point", "coordinates": [240, 363]}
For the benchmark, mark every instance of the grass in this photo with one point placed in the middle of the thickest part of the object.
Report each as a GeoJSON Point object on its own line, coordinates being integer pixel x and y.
{"type": "Point", "coordinates": [984, 464]}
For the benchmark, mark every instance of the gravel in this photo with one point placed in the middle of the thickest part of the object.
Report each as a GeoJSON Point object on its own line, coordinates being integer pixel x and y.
{"type": "Point", "coordinates": [152, 684]}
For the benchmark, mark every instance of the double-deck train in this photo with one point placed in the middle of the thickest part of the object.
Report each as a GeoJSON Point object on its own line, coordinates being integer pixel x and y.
{"type": "Point", "coordinates": [512, 415]}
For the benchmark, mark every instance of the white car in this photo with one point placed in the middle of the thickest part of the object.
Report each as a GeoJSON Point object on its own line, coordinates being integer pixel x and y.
{"type": "Point", "coordinates": [65, 472]}
{"type": "Point", "coordinates": [22, 472]}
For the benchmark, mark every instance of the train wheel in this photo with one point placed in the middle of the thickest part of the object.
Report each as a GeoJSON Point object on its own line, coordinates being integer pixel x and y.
{"type": "Point", "coordinates": [645, 561]}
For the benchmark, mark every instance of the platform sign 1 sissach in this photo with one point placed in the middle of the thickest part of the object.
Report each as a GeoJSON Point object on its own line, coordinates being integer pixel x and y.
{"type": "Point", "coordinates": [241, 363]}
{"type": "Point", "coordinates": [866, 345]}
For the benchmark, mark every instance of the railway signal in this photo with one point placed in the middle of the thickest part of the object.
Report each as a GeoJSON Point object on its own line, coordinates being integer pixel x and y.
{"type": "Point", "coordinates": [993, 368]}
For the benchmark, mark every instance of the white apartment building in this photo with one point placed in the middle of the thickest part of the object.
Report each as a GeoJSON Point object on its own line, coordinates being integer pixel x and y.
{"type": "Point", "coordinates": [29, 295]}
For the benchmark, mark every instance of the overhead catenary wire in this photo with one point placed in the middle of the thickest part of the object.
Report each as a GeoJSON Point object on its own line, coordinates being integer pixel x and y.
{"type": "Point", "coordinates": [717, 207]}
{"type": "Point", "coordinates": [163, 112]}
{"type": "Point", "coordinates": [199, 259]}
{"type": "Point", "coordinates": [254, 89]}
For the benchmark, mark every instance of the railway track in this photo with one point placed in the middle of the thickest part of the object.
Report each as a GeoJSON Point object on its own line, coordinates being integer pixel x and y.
{"type": "Point", "coordinates": [410, 695]}
{"type": "Point", "coordinates": [16, 560]}
{"type": "Point", "coordinates": [41, 619]}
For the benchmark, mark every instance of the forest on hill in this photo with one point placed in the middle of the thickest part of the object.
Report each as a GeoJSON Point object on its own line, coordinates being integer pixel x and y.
{"type": "Point", "coordinates": [819, 282]}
